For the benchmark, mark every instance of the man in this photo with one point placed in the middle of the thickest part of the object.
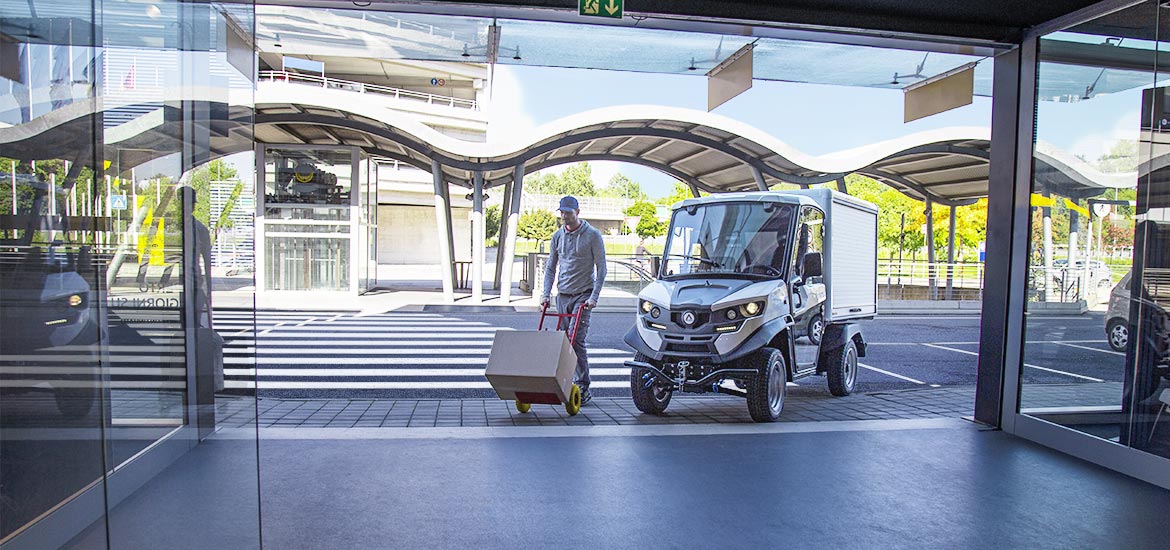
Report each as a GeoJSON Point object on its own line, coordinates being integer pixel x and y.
{"type": "Point", "coordinates": [576, 258]}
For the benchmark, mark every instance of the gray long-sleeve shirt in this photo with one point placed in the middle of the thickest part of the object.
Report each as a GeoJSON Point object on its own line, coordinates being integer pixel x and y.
{"type": "Point", "coordinates": [577, 259]}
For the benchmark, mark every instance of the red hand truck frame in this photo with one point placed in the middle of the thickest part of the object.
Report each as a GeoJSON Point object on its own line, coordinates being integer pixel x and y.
{"type": "Point", "coordinates": [575, 323]}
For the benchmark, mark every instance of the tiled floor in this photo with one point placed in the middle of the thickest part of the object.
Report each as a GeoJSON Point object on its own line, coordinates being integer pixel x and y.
{"type": "Point", "coordinates": [803, 405]}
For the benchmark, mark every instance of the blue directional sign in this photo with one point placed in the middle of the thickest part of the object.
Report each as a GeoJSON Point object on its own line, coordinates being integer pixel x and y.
{"type": "Point", "coordinates": [117, 202]}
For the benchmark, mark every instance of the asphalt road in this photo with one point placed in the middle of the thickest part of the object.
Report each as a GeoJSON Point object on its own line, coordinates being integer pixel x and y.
{"type": "Point", "coordinates": [442, 354]}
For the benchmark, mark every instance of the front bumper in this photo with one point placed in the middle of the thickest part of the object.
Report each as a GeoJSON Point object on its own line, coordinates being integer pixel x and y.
{"type": "Point", "coordinates": [758, 338]}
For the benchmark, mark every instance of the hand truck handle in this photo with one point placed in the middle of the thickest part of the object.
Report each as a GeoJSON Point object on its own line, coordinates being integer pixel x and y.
{"type": "Point", "coordinates": [576, 316]}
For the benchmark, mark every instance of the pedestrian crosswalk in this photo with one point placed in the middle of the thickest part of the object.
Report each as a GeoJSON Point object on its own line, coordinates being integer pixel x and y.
{"type": "Point", "coordinates": [291, 353]}
{"type": "Point", "coordinates": [389, 351]}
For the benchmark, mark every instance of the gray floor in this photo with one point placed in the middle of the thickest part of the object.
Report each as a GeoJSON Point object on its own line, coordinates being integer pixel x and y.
{"type": "Point", "coordinates": [939, 483]}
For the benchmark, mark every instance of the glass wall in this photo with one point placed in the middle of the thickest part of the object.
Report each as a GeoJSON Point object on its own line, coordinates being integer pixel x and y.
{"type": "Point", "coordinates": [1096, 348]}
{"type": "Point", "coordinates": [114, 117]}
{"type": "Point", "coordinates": [309, 206]}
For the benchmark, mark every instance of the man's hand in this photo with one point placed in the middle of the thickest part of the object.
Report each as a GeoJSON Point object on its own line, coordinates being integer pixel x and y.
{"type": "Point", "coordinates": [589, 304]}
{"type": "Point", "coordinates": [544, 301]}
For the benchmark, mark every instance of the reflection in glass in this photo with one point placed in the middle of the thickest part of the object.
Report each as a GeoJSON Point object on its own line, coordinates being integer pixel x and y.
{"type": "Point", "coordinates": [1095, 355]}
{"type": "Point", "coordinates": [52, 252]}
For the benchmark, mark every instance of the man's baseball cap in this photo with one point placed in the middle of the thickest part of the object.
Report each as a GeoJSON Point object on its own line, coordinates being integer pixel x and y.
{"type": "Point", "coordinates": [569, 203]}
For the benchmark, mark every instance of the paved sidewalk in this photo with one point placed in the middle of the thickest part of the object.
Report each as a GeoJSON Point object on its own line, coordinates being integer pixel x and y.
{"type": "Point", "coordinates": [803, 405]}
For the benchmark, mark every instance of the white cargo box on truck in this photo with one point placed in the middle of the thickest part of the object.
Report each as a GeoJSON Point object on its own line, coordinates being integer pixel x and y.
{"type": "Point", "coordinates": [850, 255]}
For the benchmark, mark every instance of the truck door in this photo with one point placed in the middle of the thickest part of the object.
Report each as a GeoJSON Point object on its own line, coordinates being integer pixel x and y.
{"type": "Point", "coordinates": [808, 286]}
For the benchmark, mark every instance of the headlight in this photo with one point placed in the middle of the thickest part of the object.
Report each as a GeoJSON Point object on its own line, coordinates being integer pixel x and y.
{"type": "Point", "coordinates": [655, 312]}
{"type": "Point", "coordinates": [75, 300]}
{"type": "Point", "coordinates": [731, 314]}
{"type": "Point", "coordinates": [646, 305]}
{"type": "Point", "coordinates": [750, 309]}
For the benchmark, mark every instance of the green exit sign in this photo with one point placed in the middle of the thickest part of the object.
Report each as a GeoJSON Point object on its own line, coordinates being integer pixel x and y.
{"type": "Point", "coordinates": [600, 8]}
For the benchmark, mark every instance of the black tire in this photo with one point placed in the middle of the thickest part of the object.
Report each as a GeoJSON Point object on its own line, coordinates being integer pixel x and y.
{"type": "Point", "coordinates": [816, 329]}
{"type": "Point", "coordinates": [1117, 333]}
{"type": "Point", "coordinates": [841, 369]}
{"type": "Point", "coordinates": [766, 393]}
{"type": "Point", "coordinates": [649, 397]}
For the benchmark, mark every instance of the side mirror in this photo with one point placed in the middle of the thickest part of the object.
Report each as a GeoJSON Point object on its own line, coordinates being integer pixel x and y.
{"type": "Point", "coordinates": [811, 265]}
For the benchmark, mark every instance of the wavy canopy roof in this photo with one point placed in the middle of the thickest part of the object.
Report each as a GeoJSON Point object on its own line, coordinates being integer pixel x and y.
{"type": "Point", "coordinates": [706, 151]}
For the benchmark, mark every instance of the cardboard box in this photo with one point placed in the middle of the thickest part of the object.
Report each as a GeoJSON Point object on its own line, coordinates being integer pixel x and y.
{"type": "Point", "coordinates": [533, 366]}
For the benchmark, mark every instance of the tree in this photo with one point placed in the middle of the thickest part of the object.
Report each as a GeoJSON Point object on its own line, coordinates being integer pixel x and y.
{"type": "Point", "coordinates": [576, 180]}
{"type": "Point", "coordinates": [537, 225]}
{"type": "Point", "coordinates": [641, 208]}
{"type": "Point", "coordinates": [680, 193]}
{"type": "Point", "coordinates": [492, 220]}
{"type": "Point", "coordinates": [649, 227]}
{"type": "Point", "coordinates": [201, 179]}
{"type": "Point", "coordinates": [1122, 157]}
{"type": "Point", "coordinates": [623, 187]}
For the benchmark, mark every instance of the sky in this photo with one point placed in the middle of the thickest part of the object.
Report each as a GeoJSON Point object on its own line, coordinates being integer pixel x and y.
{"type": "Point", "coordinates": [815, 119]}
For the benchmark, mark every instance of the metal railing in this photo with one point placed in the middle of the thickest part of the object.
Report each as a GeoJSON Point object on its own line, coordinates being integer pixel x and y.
{"type": "Point", "coordinates": [918, 280]}
{"type": "Point", "coordinates": [362, 87]}
{"type": "Point", "coordinates": [594, 206]}
{"type": "Point", "coordinates": [626, 273]}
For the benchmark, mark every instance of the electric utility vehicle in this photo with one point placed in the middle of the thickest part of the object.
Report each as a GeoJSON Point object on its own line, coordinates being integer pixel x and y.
{"type": "Point", "coordinates": [756, 290]}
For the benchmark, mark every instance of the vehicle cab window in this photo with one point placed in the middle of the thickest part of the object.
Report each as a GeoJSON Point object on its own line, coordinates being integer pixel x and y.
{"type": "Point", "coordinates": [810, 241]}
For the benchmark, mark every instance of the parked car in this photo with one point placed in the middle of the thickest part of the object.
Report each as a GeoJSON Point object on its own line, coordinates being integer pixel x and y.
{"type": "Point", "coordinates": [1099, 273]}
{"type": "Point", "coordinates": [1117, 316]}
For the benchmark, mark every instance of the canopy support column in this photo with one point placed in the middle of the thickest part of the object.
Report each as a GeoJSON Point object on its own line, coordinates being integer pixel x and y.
{"type": "Point", "coordinates": [505, 210]}
{"type": "Point", "coordinates": [1074, 254]}
{"type": "Point", "coordinates": [759, 179]}
{"type": "Point", "coordinates": [951, 258]}
{"type": "Point", "coordinates": [931, 274]}
{"type": "Point", "coordinates": [508, 231]}
{"type": "Point", "coordinates": [1046, 228]}
{"type": "Point", "coordinates": [841, 186]}
{"type": "Point", "coordinates": [478, 242]}
{"type": "Point", "coordinates": [445, 231]}
{"type": "Point", "coordinates": [694, 190]}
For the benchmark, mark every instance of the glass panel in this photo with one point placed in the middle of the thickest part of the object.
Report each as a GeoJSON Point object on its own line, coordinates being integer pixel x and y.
{"type": "Point", "coordinates": [545, 44]}
{"type": "Point", "coordinates": [366, 34]}
{"type": "Point", "coordinates": [310, 201]}
{"type": "Point", "coordinates": [1095, 352]}
{"type": "Point", "coordinates": [53, 253]}
{"type": "Point", "coordinates": [178, 70]}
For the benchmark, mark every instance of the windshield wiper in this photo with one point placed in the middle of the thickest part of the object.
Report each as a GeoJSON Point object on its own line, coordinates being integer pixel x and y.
{"type": "Point", "coordinates": [701, 259]}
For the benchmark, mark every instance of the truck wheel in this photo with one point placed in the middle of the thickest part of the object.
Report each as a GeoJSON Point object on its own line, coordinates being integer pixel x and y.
{"type": "Point", "coordinates": [765, 394]}
{"type": "Point", "coordinates": [816, 327]}
{"type": "Point", "coordinates": [842, 369]}
{"type": "Point", "coordinates": [649, 396]}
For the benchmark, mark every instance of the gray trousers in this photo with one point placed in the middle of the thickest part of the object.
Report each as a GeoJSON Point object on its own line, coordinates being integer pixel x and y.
{"type": "Point", "coordinates": [570, 304]}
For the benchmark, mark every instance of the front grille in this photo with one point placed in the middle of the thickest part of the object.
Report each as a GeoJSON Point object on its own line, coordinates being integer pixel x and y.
{"type": "Point", "coordinates": [701, 318]}
{"type": "Point", "coordinates": [687, 348]}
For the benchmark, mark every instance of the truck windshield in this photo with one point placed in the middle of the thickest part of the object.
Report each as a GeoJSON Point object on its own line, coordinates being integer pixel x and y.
{"type": "Point", "coordinates": [729, 238]}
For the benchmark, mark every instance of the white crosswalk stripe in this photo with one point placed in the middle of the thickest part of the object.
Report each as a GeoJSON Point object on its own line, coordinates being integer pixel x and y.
{"type": "Point", "coordinates": [404, 351]}
{"type": "Point", "coordinates": [292, 352]}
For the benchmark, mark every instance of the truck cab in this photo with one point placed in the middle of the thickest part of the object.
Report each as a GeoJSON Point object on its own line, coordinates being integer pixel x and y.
{"type": "Point", "coordinates": [747, 298]}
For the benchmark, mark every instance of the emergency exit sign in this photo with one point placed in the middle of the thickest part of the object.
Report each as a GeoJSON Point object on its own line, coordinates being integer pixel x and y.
{"type": "Point", "coordinates": [600, 8]}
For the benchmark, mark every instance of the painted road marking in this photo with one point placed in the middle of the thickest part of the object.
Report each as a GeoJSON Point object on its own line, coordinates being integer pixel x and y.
{"type": "Point", "coordinates": [1090, 349]}
{"type": "Point", "coordinates": [888, 373]}
{"type": "Point", "coordinates": [1046, 369]}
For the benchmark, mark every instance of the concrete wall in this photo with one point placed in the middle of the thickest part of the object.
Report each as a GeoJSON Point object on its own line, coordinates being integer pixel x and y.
{"type": "Point", "coordinates": [408, 234]}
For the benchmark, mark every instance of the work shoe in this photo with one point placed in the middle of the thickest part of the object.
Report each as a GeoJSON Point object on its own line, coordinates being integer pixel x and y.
{"type": "Point", "coordinates": [585, 396]}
